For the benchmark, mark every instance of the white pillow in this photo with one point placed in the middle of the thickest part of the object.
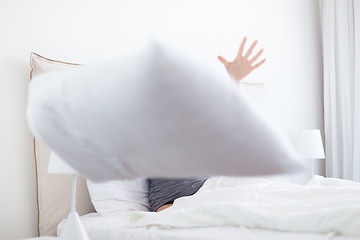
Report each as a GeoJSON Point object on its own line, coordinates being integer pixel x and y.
{"type": "Point", "coordinates": [114, 197]}
{"type": "Point", "coordinates": [159, 114]}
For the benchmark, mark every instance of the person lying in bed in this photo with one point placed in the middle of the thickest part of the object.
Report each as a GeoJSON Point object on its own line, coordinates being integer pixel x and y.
{"type": "Point", "coordinates": [163, 191]}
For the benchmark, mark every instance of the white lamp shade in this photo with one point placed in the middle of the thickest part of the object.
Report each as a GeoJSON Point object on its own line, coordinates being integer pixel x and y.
{"type": "Point", "coordinates": [310, 143]}
{"type": "Point", "coordinates": [57, 165]}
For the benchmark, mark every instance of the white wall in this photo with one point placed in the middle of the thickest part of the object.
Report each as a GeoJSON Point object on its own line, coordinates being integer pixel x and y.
{"type": "Point", "coordinates": [81, 31]}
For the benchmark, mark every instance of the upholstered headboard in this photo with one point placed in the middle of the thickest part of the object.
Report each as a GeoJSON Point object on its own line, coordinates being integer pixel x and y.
{"type": "Point", "coordinates": [54, 190]}
{"type": "Point", "coordinates": [257, 93]}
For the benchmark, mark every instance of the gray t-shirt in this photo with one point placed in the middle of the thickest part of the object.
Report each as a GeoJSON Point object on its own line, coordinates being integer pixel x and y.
{"type": "Point", "coordinates": [165, 190]}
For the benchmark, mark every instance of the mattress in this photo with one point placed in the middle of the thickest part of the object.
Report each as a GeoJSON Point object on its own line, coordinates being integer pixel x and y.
{"type": "Point", "coordinates": [116, 227]}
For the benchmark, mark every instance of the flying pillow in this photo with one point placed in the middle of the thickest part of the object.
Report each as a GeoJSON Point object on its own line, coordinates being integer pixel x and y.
{"type": "Point", "coordinates": [155, 114]}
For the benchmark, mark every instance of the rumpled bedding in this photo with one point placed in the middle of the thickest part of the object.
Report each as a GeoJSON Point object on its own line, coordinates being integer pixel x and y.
{"type": "Point", "coordinates": [321, 206]}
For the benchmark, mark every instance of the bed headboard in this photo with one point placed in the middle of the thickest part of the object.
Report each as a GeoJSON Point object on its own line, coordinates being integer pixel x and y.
{"type": "Point", "coordinates": [256, 92]}
{"type": "Point", "coordinates": [54, 190]}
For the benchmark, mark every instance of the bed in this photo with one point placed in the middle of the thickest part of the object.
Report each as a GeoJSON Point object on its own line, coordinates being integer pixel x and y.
{"type": "Point", "coordinates": [122, 225]}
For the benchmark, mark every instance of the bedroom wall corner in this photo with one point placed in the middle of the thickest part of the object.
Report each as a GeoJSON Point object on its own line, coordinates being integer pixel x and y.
{"type": "Point", "coordinates": [17, 172]}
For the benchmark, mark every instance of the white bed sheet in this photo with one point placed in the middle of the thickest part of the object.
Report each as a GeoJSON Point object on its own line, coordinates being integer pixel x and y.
{"type": "Point", "coordinates": [116, 228]}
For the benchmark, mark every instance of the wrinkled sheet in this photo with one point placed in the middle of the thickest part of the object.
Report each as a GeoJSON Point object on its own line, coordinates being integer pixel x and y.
{"type": "Point", "coordinates": [113, 228]}
{"type": "Point", "coordinates": [321, 206]}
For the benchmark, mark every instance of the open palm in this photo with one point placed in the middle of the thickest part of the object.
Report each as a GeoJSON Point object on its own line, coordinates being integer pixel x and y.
{"type": "Point", "coordinates": [242, 66]}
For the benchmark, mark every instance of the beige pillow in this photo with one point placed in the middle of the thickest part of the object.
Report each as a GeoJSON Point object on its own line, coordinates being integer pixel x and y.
{"type": "Point", "coordinates": [54, 190]}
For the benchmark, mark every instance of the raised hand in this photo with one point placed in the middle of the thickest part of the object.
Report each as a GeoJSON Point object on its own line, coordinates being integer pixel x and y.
{"type": "Point", "coordinates": [242, 66]}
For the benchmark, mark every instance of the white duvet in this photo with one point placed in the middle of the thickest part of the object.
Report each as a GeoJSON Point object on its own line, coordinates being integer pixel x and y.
{"type": "Point", "coordinates": [321, 206]}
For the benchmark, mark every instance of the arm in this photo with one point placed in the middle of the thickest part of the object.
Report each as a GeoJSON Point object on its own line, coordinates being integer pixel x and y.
{"type": "Point", "coordinates": [242, 66]}
{"type": "Point", "coordinates": [163, 207]}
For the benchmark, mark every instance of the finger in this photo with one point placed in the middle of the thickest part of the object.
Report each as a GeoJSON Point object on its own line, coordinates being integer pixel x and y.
{"type": "Point", "coordinates": [241, 49]}
{"type": "Point", "coordinates": [259, 64]}
{"type": "Point", "coordinates": [256, 56]}
{"type": "Point", "coordinates": [250, 49]}
{"type": "Point", "coordinates": [221, 59]}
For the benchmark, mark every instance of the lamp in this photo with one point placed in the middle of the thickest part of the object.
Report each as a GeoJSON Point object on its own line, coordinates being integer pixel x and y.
{"type": "Point", "coordinates": [311, 146]}
{"type": "Point", "coordinates": [73, 229]}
